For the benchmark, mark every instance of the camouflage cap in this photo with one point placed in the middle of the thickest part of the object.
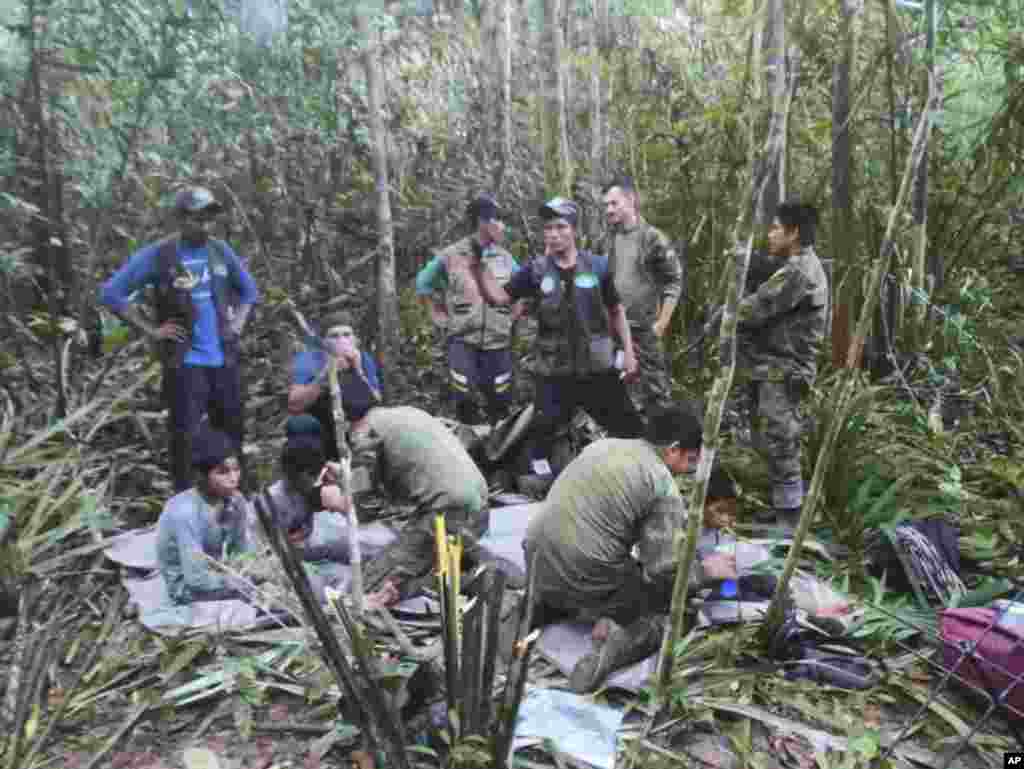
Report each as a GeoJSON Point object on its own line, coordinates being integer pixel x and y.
{"type": "Point", "coordinates": [192, 199]}
{"type": "Point", "coordinates": [560, 208]}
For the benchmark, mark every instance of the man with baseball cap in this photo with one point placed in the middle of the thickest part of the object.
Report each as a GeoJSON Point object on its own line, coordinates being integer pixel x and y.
{"type": "Point", "coordinates": [478, 336]}
{"type": "Point", "coordinates": [203, 296]}
{"type": "Point", "coordinates": [579, 308]}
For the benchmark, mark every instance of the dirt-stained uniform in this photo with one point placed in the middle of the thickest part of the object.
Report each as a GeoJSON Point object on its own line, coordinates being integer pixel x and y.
{"type": "Point", "coordinates": [647, 273]}
{"type": "Point", "coordinates": [419, 460]}
{"type": "Point", "coordinates": [780, 331]}
{"type": "Point", "coordinates": [615, 495]}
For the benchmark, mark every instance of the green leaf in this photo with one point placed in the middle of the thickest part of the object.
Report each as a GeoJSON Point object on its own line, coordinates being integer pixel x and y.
{"type": "Point", "coordinates": [865, 744]}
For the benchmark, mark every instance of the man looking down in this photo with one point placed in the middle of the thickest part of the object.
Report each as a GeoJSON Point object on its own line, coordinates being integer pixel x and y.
{"type": "Point", "coordinates": [618, 495]}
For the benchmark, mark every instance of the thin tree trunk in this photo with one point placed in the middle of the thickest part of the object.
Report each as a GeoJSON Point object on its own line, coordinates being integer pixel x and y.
{"type": "Point", "coordinates": [490, 84]}
{"type": "Point", "coordinates": [847, 384]}
{"type": "Point", "coordinates": [926, 271]}
{"type": "Point", "coordinates": [843, 241]}
{"type": "Point", "coordinates": [598, 89]}
{"type": "Point", "coordinates": [764, 172]}
{"type": "Point", "coordinates": [506, 46]}
{"type": "Point", "coordinates": [387, 297]}
{"type": "Point", "coordinates": [556, 144]}
{"type": "Point", "coordinates": [773, 48]}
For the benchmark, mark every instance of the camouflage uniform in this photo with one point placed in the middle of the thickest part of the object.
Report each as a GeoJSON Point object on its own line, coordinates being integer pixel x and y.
{"type": "Point", "coordinates": [647, 274]}
{"type": "Point", "coordinates": [614, 495]}
{"type": "Point", "coordinates": [419, 460]}
{"type": "Point", "coordinates": [781, 327]}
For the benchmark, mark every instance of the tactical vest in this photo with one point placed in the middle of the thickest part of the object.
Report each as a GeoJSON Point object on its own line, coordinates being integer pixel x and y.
{"type": "Point", "coordinates": [573, 329]}
{"type": "Point", "coordinates": [175, 303]}
{"type": "Point", "coordinates": [470, 318]}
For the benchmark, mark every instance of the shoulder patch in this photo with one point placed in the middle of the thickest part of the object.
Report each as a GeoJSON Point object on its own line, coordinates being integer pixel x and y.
{"type": "Point", "coordinates": [586, 280]}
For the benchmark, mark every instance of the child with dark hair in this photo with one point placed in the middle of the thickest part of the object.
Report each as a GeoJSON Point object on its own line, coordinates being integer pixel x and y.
{"type": "Point", "coordinates": [203, 522]}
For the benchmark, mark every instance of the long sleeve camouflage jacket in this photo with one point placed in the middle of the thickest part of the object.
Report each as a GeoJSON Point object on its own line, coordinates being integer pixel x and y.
{"type": "Point", "coordinates": [781, 325]}
{"type": "Point", "coordinates": [647, 270]}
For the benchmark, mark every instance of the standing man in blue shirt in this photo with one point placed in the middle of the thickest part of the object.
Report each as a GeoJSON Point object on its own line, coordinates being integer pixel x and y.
{"type": "Point", "coordinates": [203, 296]}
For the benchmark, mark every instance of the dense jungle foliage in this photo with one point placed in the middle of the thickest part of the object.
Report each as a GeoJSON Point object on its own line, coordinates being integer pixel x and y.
{"type": "Point", "coordinates": [106, 108]}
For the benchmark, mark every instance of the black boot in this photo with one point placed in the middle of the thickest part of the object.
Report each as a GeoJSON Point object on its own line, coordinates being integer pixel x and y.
{"type": "Point", "coordinates": [624, 646]}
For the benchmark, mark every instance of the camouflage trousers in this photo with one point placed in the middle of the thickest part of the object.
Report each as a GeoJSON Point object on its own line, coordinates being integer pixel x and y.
{"type": "Point", "coordinates": [411, 557]}
{"type": "Point", "coordinates": [654, 386]}
{"type": "Point", "coordinates": [776, 433]}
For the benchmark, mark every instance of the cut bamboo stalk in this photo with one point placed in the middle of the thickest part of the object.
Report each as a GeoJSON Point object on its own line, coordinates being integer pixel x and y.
{"type": "Point", "coordinates": [762, 172]}
{"type": "Point", "coordinates": [470, 667]}
{"type": "Point", "coordinates": [367, 706]}
{"type": "Point", "coordinates": [847, 384]}
{"type": "Point", "coordinates": [492, 626]}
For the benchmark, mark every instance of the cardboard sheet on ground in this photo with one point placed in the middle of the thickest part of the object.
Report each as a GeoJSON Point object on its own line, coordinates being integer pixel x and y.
{"type": "Point", "coordinates": [576, 725]}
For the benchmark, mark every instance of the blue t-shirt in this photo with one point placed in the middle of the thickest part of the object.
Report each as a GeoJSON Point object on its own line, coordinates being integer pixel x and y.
{"type": "Point", "coordinates": [141, 270]}
{"type": "Point", "coordinates": [309, 363]}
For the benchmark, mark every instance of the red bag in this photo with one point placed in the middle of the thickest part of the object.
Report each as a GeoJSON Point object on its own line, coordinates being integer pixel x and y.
{"type": "Point", "coordinates": [996, 663]}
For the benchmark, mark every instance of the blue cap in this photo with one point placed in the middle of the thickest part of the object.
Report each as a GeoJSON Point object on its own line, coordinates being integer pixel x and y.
{"type": "Point", "coordinates": [560, 208]}
{"type": "Point", "coordinates": [484, 208]}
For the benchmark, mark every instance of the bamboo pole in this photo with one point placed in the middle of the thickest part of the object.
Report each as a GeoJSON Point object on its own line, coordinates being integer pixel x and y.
{"type": "Point", "coordinates": [344, 454]}
{"type": "Point", "coordinates": [345, 482]}
{"type": "Point", "coordinates": [763, 169]}
{"type": "Point", "coordinates": [363, 700]}
{"type": "Point", "coordinates": [847, 384]}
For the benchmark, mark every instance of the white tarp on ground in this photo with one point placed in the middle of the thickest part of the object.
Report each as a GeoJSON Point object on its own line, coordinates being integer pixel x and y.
{"type": "Point", "coordinates": [576, 725]}
{"type": "Point", "coordinates": [136, 550]}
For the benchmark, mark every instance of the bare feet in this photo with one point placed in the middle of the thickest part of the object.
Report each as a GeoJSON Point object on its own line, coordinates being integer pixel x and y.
{"type": "Point", "coordinates": [384, 598]}
{"type": "Point", "coordinates": [602, 629]}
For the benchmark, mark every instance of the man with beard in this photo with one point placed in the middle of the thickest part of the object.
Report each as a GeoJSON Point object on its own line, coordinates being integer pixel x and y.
{"type": "Point", "coordinates": [649, 279]}
{"type": "Point", "coordinates": [203, 298]}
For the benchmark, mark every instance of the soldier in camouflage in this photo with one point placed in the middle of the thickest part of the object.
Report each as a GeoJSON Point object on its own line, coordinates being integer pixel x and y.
{"type": "Point", "coordinates": [417, 459]}
{"type": "Point", "coordinates": [479, 336]}
{"type": "Point", "coordinates": [649, 279]}
{"type": "Point", "coordinates": [780, 330]}
{"type": "Point", "coordinates": [617, 495]}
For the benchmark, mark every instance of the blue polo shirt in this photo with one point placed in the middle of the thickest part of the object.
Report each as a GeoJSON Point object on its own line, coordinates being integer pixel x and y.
{"type": "Point", "coordinates": [142, 270]}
